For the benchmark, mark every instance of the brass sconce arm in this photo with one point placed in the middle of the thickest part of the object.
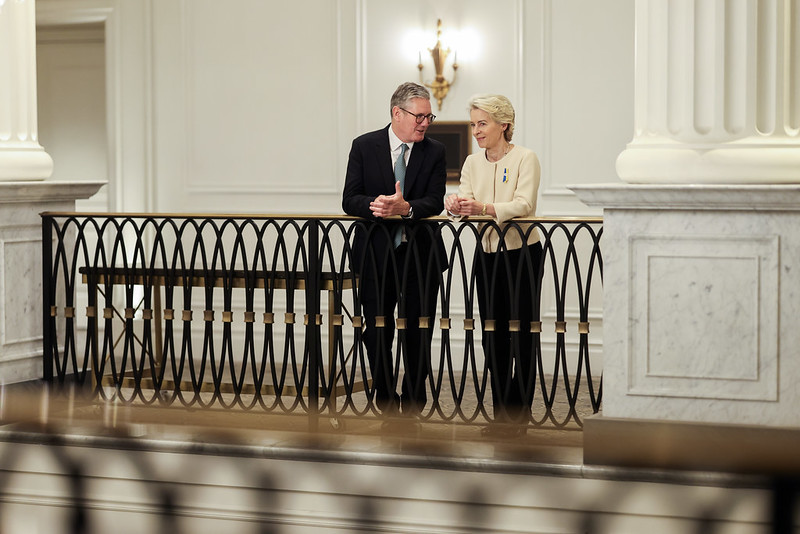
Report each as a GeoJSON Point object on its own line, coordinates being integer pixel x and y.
{"type": "Point", "coordinates": [439, 86]}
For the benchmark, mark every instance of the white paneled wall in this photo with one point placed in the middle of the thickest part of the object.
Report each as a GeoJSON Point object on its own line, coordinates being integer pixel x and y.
{"type": "Point", "coordinates": [249, 106]}
{"type": "Point", "coordinates": [587, 102]}
{"type": "Point", "coordinates": [71, 85]}
{"type": "Point", "coordinates": [246, 106]}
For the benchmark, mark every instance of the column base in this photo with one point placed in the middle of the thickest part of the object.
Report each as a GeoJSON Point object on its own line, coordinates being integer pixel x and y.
{"type": "Point", "coordinates": [25, 164]}
{"type": "Point", "coordinates": [718, 164]}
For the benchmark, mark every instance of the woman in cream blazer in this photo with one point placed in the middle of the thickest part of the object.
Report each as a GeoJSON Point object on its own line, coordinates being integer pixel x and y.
{"type": "Point", "coordinates": [502, 181]}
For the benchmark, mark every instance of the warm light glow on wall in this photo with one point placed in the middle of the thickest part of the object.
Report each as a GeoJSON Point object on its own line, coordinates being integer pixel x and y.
{"type": "Point", "coordinates": [413, 42]}
{"type": "Point", "coordinates": [467, 41]}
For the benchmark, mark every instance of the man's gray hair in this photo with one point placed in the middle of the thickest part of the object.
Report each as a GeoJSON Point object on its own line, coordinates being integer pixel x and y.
{"type": "Point", "coordinates": [406, 92]}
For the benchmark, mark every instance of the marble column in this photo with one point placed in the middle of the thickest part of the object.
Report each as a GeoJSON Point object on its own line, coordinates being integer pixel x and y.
{"type": "Point", "coordinates": [717, 93]}
{"type": "Point", "coordinates": [700, 244]}
{"type": "Point", "coordinates": [24, 194]}
{"type": "Point", "coordinates": [21, 156]}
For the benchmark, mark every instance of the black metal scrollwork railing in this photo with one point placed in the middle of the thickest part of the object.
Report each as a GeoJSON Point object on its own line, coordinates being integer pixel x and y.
{"type": "Point", "coordinates": [266, 313]}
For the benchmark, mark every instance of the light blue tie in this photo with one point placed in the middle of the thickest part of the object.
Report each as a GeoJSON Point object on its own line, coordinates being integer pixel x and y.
{"type": "Point", "coordinates": [400, 176]}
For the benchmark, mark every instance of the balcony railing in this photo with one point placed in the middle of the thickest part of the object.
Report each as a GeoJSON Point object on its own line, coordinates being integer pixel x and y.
{"type": "Point", "coordinates": [267, 313]}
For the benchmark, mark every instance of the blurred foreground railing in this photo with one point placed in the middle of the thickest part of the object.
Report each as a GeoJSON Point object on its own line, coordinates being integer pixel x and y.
{"type": "Point", "coordinates": [265, 313]}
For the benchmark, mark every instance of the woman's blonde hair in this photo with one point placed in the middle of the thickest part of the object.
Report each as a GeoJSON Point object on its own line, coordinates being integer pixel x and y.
{"type": "Point", "coordinates": [499, 109]}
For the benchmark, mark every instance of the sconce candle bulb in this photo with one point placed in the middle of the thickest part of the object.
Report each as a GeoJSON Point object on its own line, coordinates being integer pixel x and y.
{"type": "Point", "coordinates": [439, 86]}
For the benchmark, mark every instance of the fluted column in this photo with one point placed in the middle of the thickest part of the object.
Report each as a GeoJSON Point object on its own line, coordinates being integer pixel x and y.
{"type": "Point", "coordinates": [21, 156]}
{"type": "Point", "coordinates": [717, 88]}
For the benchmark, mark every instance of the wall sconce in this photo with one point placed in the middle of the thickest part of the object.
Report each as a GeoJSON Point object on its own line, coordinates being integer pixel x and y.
{"type": "Point", "coordinates": [440, 86]}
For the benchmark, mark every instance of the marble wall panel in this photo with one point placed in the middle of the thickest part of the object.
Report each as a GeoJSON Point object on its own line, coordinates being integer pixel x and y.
{"type": "Point", "coordinates": [702, 296]}
{"type": "Point", "coordinates": [22, 287]}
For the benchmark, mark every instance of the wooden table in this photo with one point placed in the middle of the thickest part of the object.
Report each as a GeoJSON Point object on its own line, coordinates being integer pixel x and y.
{"type": "Point", "coordinates": [157, 278]}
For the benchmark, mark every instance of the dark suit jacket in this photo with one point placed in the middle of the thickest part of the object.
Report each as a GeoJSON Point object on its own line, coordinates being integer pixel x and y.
{"type": "Point", "coordinates": [370, 174]}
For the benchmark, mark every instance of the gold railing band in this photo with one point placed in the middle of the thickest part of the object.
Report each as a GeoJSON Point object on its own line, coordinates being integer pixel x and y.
{"type": "Point", "coordinates": [317, 318]}
{"type": "Point", "coordinates": [239, 279]}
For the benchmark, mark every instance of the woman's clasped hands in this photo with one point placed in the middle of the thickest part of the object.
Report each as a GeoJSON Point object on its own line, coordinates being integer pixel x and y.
{"type": "Point", "coordinates": [462, 206]}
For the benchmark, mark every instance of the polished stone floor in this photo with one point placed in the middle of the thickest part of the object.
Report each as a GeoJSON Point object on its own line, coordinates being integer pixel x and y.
{"type": "Point", "coordinates": [30, 408]}
{"type": "Point", "coordinates": [30, 413]}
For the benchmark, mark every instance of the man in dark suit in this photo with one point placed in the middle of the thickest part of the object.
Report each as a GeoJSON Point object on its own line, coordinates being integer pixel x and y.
{"type": "Point", "coordinates": [396, 176]}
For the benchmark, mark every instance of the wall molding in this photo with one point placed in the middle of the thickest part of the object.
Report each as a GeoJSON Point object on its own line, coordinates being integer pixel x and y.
{"type": "Point", "coordinates": [66, 12]}
{"type": "Point", "coordinates": [332, 185]}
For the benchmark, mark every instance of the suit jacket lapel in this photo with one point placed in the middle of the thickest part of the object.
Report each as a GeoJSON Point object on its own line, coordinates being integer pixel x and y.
{"type": "Point", "coordinates": [384, 155]}
{"type": "Point", "coordinates": [415, 163]}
